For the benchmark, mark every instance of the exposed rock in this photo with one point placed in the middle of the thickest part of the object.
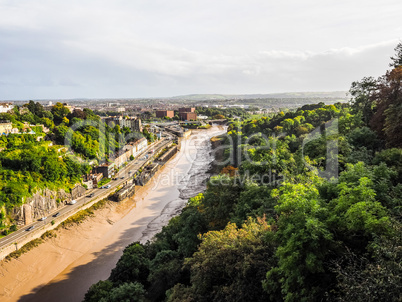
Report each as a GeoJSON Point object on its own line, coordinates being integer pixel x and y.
{"type": "Point", "coordinates": [39, 205]}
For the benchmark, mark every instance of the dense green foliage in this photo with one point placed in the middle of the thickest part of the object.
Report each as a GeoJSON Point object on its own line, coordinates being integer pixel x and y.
{"type": "Point", "coordinates": [30, 161]}
{"type": "Point", "coordinates": [311, 236]}
{"type": "Point", "coordinates": [220, 113]}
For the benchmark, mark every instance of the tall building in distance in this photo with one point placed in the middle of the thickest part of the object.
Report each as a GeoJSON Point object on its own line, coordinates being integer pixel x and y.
{"type": "Point", "coordinates": [184, 109]}
{"type": "Point", "coordinates": [187, 114]}
{"type": "Point", "coordinates": [163, 113]}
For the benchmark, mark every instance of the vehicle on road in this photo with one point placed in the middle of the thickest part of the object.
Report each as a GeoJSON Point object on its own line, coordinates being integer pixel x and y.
{"type": "Point", "coordinates": [30, 228]}
{"type": "Point", "coordinates": [91, 195]}
{"type": "Point", "coordinates": [57, 214]}
{"type": "Point", "coordinates": [114, 178]}
{"type": "Point", "coordinates": [43, 218]}
{"type": "Point", "coordinates": [73, 202]}
{"type": "Point", "coordinates": [122, 177]}
{"type": "Point", "coordinates": [106, 187]}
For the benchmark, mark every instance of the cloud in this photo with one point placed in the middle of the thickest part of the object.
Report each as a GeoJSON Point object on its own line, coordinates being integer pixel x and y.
{"type": "Point", "coordinates": [51, 49]}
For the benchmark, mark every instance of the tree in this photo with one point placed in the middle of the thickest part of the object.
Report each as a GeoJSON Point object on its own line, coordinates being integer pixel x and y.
{"type": "Point", "coordinates": [132, 266]}
{"type": "Point", "coordinates": [104, 291]}
{"type": "Point", "coordinates": [59, 111]}
{"type": "Point", "coordinates": [304, 242]}
{"type": "Point", "coordinates": [362, 97]}
{"type": "Point", "coordinates": [219, 200]}
{"type": "Point", "coordinates": [78, 113]}
{"type": "Point", "coordinates": [98, 291]}
{"type": "Point", "coordinates": [376, 277]}
{"type": "Point", "coordinates": [218, 116]}
{"type": "Point", "coordinates": [387, 119]}
{"type": "Point", "coordinates": [229, 264]}
{"type": "Point", "coordinates": [397, 59]}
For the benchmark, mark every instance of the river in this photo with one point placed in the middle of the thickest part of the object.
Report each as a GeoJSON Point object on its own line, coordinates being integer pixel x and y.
{"type": "Point", "coordinates": [91, 250]}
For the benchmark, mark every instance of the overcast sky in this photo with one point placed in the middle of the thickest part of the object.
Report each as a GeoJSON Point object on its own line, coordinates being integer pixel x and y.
{"type": "Point", "coordinates": [142, 48]}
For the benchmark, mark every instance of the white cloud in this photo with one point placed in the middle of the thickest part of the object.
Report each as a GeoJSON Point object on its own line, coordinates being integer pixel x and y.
{"type": "Point", "coordinates": [140, 48]}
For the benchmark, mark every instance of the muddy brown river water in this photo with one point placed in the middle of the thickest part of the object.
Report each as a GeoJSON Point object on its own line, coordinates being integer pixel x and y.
{"type": "Point", "coordinates": [63, 268]}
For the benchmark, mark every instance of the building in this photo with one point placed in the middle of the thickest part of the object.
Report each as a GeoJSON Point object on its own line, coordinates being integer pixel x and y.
{"type": "Point", "coordinates": [122, 157]}
{"type": "Point", "coordinates": [137, 147]}
{"type": "Point", "coordinates": [163, 113]}
{"type": "Point", "coordinates": [23, 110]}
{"type": "Point", "coordinates": [188, 116]}
{"type": "Point", "coordinates": [5, 107]}
{"type": "Point", "coordinates": [120, 109]}
{"type": "Point", "coordinates": [5, 127]}
{"type": "Point", "coordinates": [106, 169]}
{"type": "Point", "coordinates": [133, 149]}
{"type": "Point", "coordinates": [69, 107]}
{"type": "Point", "coordinates": [184, 109]}
{"type": "Point", "coordinates": [133, 123]}
{"type": "Point", "coordinates": [92, 180]}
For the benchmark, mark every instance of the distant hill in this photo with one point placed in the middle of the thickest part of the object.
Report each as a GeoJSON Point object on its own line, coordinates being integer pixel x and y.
{"type": "Point", "coordinates": [284, 95]}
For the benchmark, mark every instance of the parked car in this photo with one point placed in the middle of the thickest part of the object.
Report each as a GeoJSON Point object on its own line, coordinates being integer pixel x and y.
{"type": "Point", "coordinates": [92, 195]}
{"type": "Point", "coordinates": [57, 214]}
{"type": "Point", "coordinates": [114, 178]}
{"type": "Point", "coordinates": [30, 228]}
{"type": "Point", "coordinates": [73, 202]}
{"type": "Point", "coordinates": [108, 186]}
{"type": "Point", "coordinates": [43, 218]}
{"type": "Point", "coordinates": [122, 177]}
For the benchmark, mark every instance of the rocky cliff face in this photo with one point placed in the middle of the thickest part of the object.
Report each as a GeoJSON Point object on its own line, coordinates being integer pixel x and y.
{"type": "Point", "coordinates": [41, 204]}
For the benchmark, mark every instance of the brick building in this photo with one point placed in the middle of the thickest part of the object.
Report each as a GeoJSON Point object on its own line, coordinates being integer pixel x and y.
{"type": "Point", "coordinates": [188, 116]}
{"type": "Point", "coordinates": [185, 109]}
{"type": "Point", "coordinates": [163, 113]}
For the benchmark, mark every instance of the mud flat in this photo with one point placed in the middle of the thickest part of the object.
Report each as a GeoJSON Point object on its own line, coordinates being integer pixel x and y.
{"type": "Point", "coordinates": [63, 268]}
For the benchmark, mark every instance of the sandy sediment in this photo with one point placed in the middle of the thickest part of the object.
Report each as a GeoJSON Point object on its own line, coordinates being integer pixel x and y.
{"type": "Point", "coordinates": [48, 260]}
{"type": "Point", "coordinates": [21, 278]}
{"type": "Point", "coordinates": [62, 268]}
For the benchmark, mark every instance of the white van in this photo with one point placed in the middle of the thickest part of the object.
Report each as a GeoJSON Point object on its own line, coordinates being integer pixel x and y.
{"type": "Point", "coordinates": [73, 201]}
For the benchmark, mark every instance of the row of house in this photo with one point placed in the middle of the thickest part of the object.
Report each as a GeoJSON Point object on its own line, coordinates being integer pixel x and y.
{"type": "Point", "coordinates": [137, 147]}
{"type": "Point", "coordinates": [132, 149]}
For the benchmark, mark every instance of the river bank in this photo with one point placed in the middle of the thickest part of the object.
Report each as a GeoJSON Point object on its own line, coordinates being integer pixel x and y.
{"type": "Point", "coordinates": [63, 268]}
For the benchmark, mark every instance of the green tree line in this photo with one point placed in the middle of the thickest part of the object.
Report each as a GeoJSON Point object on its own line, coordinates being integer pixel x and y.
{"type": "Point", "coordinates": [304, 238]}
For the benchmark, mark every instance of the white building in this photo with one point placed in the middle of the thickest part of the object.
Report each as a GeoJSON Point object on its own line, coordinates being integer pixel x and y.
{"type": "Point", "coordinates": [137, 147]}
{"type": "Point", "coordinates": [5, 107]}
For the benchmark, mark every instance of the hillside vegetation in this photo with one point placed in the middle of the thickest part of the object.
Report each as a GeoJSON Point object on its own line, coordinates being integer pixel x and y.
{"type": "Point", "coordinates": [57, 159]}
{"type": "Point", "coordinates": [309, 233]}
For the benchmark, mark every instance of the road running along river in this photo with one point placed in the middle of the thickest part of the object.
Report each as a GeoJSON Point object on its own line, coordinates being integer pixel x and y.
{"type": "Point", "coordinates": [160, 200]}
